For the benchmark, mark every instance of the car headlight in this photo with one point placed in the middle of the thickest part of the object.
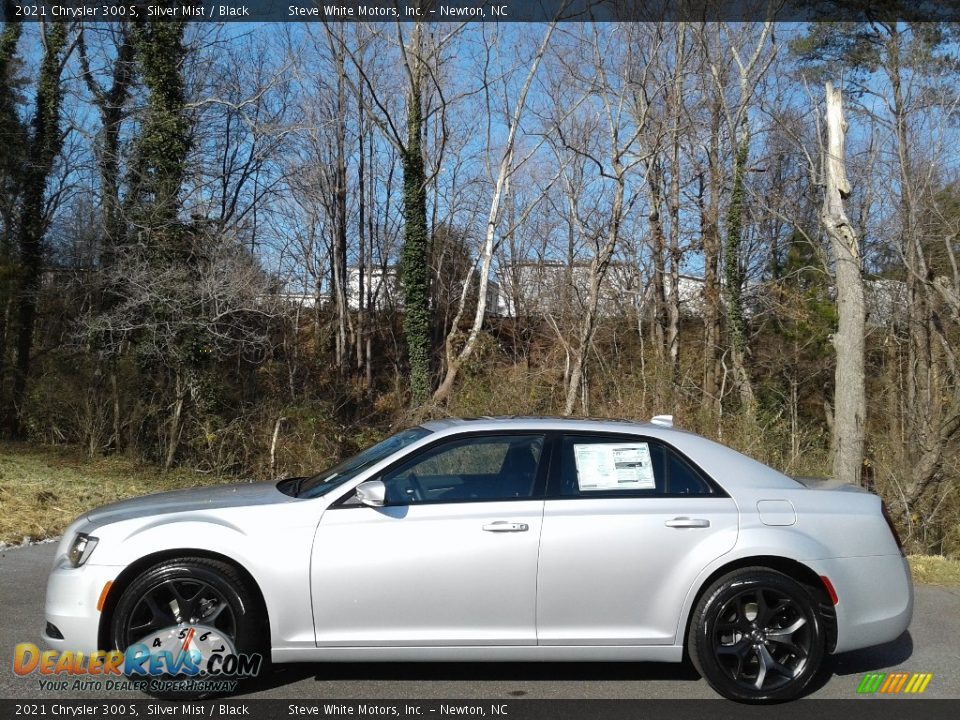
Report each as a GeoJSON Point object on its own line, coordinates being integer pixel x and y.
{"type": "Point", "coordinates": [81, 548]}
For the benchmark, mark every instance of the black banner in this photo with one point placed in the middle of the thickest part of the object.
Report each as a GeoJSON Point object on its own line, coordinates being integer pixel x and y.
{"type": "Point", "coordinates": [478, 10]}
{"type": "Point", "coordinates": [866, 709]}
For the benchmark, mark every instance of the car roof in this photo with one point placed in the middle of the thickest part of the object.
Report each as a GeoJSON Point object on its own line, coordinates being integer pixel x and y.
{"type": "Point", "coordinates": [544, 422]}
{"type": "Point", "coordinates": [729, 467]}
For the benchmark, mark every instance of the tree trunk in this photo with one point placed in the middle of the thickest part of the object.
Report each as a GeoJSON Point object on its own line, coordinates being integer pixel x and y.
{"type": "Point", "coordinates": [110, 104]}
{"type": "Point", "coordinates": [736, 322]}
{"type": "Point", "coordinates": [655, 221]}
{"type": "Point", "coordinates": [173, 439]}
{"type": "Point", "coordinates": [339, 254]}
{"type": "Point", "coordinates": [598, 270]}
{"type": "Point", "coordinates": [361, 238]}
{"type": "Point", "coordinates": [45, 146]}
{"type": "Point", "coordinates": [11, 174]}
{"type": "Point", "coordinates": [710, 230]}
{"type": "Point", "coordinates": [849, 406]}
{"type": "Point", "coordinates": [673, 309]}
{"type": "Point", "coordinates": [415, 256]}
{"type": "Point", "coordinates": [505, 168]}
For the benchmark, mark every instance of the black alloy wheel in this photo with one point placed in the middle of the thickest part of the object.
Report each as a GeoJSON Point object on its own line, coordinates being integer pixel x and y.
{"type": "Point", "coordinates": [179, 601]}
{"type": "Point", "coordinates": [756, 636]}
{"type": "Point", "coordinates": [191, 592]}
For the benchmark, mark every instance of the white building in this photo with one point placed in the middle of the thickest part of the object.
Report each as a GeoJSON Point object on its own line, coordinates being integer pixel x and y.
{"type": "Point", "coordinates": [546, 287]}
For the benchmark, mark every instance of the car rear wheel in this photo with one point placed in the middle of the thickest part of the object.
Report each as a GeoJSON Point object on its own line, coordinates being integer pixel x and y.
{"type": "Point", "coordinates": [756, 636]}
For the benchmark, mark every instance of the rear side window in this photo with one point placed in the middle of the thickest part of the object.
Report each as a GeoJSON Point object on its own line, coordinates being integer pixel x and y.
{"type": "Point", "coordinates": [682, 478]}
{"type": "Point", "coordinates": [598, 466]}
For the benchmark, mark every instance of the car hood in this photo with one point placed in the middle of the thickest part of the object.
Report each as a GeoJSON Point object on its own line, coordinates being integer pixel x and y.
{"type": "Point", "coordinates": [192, 499]}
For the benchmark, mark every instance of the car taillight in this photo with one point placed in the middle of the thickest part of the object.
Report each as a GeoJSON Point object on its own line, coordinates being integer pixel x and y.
{"type": "Point", "coordinates": [893, 528]}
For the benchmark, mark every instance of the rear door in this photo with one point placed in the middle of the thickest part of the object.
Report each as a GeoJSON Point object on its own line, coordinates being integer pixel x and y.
{"type": "Point", "coordinates": [628, 525]}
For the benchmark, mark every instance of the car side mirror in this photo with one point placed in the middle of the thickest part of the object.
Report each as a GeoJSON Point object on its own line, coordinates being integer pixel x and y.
{"type": "Point", "coordinates": [372, 493]}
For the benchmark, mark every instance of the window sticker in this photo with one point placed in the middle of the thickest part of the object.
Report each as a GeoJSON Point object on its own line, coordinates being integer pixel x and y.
{"type": "Point", "coordinates": [614, 467]}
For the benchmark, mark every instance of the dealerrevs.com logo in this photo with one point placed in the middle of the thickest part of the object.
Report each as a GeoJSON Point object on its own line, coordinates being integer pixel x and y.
{"type": "Point", "coordinates": [897, 683]}
{"type": "Point", "coordinates": [175, 659]}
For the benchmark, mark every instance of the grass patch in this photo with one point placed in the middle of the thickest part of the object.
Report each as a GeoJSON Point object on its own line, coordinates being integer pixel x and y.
{"type": "Point", "coordinates": [935, 570]}
{"type": "Point", "coordinates": [43, 489]}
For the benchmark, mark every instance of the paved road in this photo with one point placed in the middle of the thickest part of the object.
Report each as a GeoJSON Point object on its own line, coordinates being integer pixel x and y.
{"type": "Point", "coordinates": [931, 645]}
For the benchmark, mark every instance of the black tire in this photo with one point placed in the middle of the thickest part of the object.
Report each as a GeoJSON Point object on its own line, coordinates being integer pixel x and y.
{"type": "Point", "coordinates": [756, 636]}
{"type": "Point", "coordinates": [241, 619]}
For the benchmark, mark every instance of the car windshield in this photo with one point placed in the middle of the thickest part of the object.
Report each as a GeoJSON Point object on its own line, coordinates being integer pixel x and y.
{"type": "Point", "coordinates": [326, 481]}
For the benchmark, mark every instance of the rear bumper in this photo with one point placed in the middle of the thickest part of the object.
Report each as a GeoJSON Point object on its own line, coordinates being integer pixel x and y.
{"type": "Point", "coordinates": [875, 598]}
{"type": "Point", "coordinates": [71, 605]}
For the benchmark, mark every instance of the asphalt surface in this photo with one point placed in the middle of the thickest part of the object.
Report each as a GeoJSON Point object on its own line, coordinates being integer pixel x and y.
{"type": "Point", "coordinates": [931, 645]}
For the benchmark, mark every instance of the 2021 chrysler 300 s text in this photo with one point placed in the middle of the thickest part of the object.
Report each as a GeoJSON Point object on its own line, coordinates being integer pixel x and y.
{"type": "Point", "coordinates": [500, 539]}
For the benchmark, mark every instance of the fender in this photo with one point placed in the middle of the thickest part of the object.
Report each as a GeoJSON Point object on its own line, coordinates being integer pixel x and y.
{"type": "Point", "coordinates": [277, 559]}
{"type": "Point", "coordinates": [754, 542]}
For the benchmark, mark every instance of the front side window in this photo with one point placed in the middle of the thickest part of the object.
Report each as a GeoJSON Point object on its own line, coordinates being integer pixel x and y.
{"type": "Point", "coordinates": [324, 482]}
{"type": "Point", "coordinates": [480, 468]}
{"type": "Point", "coordinates": [597, 466]}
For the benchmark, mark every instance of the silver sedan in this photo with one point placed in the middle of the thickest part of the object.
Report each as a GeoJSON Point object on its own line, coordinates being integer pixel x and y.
{"type": "Point", "coordinates": [499, 539]}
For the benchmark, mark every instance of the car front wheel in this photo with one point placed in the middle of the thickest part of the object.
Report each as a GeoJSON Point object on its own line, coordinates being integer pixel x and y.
{"type": "Point", "coordinates": [756, 636]}
{"type": "Point", "coordinates": [191, 604]}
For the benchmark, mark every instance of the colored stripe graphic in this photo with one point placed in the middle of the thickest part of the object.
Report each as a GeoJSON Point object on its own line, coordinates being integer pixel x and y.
{"type": "Point", "coordinates": [870, 683]}
{"type": "Point", "coordinates": [922, 684]}
{"type": "Point", "coordinates": [894, 683]}
{"type": "Point", "coordinates": [914, 683]}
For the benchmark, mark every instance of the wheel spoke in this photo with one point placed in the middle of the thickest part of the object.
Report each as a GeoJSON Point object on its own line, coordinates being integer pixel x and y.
{"type": "Point", "coordinates": [737, 649]}
{"type": "Point", "coordinates": [186, 603]}
{"type": "Point", "coordinates": [761, 670]}
{"type": "Point", "coordinates": [142, 629]}
{"type": "Point", "coordinates": [787, 631]}
{"type": "Point", "coordinates": [214, 612]}
{"type": "Point", "coordinates": [790, 646]}
{"type": "Point", "coordinates": [738, 670]}
{"type": "Point", "coordinates": [161, 612]}
{"type": "Point", "coordinates": [743, 622]}
{"type": "Point", "coordinates": [160, 617]}
{"type": "Point", "coordinates": [771, 663]}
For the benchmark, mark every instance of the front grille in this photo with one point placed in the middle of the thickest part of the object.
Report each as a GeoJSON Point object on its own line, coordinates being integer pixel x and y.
{"type": "Point", "coordinates": [54, 632]}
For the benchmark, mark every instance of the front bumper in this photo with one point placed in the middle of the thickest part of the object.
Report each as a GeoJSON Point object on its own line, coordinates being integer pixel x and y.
{"type": "Point", "coordinates": [875, 598]}
{"type": "Point", "coordinates": [71, 605]}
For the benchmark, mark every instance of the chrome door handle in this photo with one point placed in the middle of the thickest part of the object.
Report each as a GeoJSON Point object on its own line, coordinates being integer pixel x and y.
{"type": "Point", "coordinates": [504, 526]}
{"type": "Point", "coordinates": [685, 522]}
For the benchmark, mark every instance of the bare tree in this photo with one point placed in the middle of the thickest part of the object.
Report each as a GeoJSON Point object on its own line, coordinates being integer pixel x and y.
{"type": "Point", "coordinates": [750, 69]}
{"type": "Point", "coordinates": [221, 300]}
{"type": "Point", "coordinates": [45, 141]}
{"type": "Point", "coordinates": [626, 123]}
{"type": "Point", "coordinates": [850, 404]}
{"type": "Point", "coordinates": [505, 170]}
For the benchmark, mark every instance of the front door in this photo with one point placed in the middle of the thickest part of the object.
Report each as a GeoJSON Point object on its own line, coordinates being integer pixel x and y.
{"type": "Point", "coordinates": [450, 560]}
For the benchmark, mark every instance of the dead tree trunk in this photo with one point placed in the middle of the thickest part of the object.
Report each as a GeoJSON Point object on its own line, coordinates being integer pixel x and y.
{"type": "Point", "coordinates": [850, 407]}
